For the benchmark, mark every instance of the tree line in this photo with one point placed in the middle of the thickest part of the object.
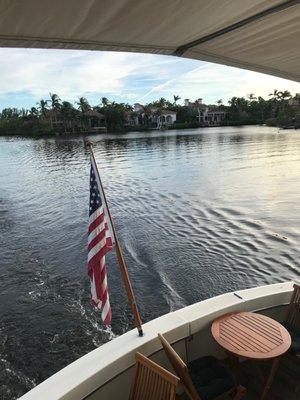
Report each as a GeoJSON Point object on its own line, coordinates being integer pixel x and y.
{"type": "Point", "coordinates": [277, 109]}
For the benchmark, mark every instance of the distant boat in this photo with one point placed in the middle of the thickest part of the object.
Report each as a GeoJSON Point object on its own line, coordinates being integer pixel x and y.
{"type": "Point", "coordinates": [289, 127]}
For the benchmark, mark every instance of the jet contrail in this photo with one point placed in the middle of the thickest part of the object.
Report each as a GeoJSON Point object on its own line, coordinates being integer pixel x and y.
{"type": "Point", "coordinates": [162, 85]}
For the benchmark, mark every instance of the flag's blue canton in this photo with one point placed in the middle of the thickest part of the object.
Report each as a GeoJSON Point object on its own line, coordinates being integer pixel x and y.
{"type": "Point", "coordinates": [95, 199]}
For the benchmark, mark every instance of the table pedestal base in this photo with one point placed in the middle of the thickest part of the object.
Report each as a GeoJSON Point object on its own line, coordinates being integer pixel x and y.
{"type": "Point", "coordinates": [270, 378]}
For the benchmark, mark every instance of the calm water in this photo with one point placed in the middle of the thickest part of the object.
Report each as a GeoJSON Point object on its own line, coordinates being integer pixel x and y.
{"type": "Point", "coordinates": [198, 212]}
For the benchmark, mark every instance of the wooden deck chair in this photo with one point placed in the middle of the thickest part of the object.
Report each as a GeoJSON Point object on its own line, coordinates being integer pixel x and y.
{"type": "Point", "coordinates": [292, 321]}
{"type": "Point", "coordinates": [292, 324]}
{"type": "Point", "coordinates": [205, 378]}
{"type": "Point", "coordinates": [152, 382]}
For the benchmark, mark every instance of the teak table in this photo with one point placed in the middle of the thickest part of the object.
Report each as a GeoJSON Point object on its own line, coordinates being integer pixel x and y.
{"type": "Point", "coordinates": [253, 336]}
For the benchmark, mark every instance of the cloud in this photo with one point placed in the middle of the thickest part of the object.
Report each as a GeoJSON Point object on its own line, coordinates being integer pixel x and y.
{"type": "Point", "coordinates": [71, 73]}
{"type": "Point", "coordinates": [26, 75]}
{"type": "Point", "coordinates": [212, 81]}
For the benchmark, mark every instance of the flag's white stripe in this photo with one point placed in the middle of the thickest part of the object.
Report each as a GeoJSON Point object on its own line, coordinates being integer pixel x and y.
{"type": "Point", "coordinates": [106, 306]}
{"type": "Point", "coordinates": [93, 290]}
{"type": "Point", "coordinates": [104, 283]}
{"type": "Point", "coordinates": [94, 250]}
{"type": "Point", "coordinates": [96, 232]}
{"type": "Point", "coordinates": [106, 309]}
{"type": "Point", "coordinates": [96, 214]}
{"type": "Point", "coordinates": [102, 262]}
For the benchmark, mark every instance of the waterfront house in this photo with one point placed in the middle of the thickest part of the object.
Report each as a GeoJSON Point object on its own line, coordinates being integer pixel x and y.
{"type": "Point", "coordinates": [54, 118]}
{"type": "Point", "coordinates": [168, 117]}
{"type": "Point", "coordinates": [210, 117]}
{"type": "Point", "coordinates": [95, 121]}
{"type": "Point", "coordinates": [194, 104]}
{"type": "Point", "coordinates": [154, 116]}
{"type": "Point", "coordinates": [162, 118]}
{"type": "Point", "coordinates": [206, 115]}
{"type": "Point", "coordinates": [295, 101]}
{"type": "Point", "coordinates": [132, 118]}
{"type": "Point", "coordinates": [137, 107]}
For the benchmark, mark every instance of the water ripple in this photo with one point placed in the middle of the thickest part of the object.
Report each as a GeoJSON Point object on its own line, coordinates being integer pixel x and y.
{"type": "Point", "coordinates": [198, 213]}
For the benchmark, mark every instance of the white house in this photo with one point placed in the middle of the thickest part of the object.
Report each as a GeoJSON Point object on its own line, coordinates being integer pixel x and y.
{"type": "Point", "coordinates": [206, 115]}
{"type": "Point", "coordinates": [295, 101]}
{"type": "Point", "coordinates": [157, 118]}
{"type": "Point", "coordinates": [167, 117]}
{"type": "Point", "coordinates": [132, 118]}
{"type": "Point", "coordinates": [210, 117]}
{"type": "Point", "coordinates": [137, 107]}
{"type": "Point", "coordinates": [196, 103]}
{"type": "Point", "coordinates": [162, 117]}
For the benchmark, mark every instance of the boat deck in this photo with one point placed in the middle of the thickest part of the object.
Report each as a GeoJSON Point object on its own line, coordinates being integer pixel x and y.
{"type": "Point", "coordinates": [284, 386]}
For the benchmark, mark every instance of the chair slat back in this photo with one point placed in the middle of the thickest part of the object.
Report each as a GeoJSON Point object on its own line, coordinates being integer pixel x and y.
{"type": "Point", "coordinates": [293, 312]}
{"type": "Point", "coordinates": [180, 368]}
{"type": "Point", "coordinates": [152, 382]}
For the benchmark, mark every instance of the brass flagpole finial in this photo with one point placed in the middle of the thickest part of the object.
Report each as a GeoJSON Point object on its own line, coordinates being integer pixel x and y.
{"type": "Point", "coordinates": [87, 143]}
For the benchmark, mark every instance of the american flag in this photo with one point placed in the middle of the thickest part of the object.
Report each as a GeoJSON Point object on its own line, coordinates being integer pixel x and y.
{"type": "Point", "coordinates": [100, 242]}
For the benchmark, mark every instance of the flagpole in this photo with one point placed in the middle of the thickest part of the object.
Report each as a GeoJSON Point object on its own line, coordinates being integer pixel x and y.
{"type": "Point", "coordinates": [121, 260]}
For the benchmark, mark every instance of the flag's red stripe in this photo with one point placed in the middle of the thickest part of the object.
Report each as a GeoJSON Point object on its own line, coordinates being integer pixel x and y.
{"type": "Point", "coordinates": [107, 319]}
{"type": "Point", "coordinates": [102, 292]}
{"type": "Point", "coordinates": [109, 242]}
{"type": "Point", "coordinates": [97, 239]}
{"type": "Point", "coordinates": [98, 283]}
{"type": "Point", "coordinates": [97, 257]}
{"type": "Point", "coordinates": [103, 272]}
{"type": "Point", "coordinates": [96, 222]}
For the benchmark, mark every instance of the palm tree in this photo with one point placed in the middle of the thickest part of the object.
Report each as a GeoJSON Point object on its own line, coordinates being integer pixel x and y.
{"type": "Point", "coordinates": [158, 114]}
{"type": "Point", "coordinates": [147, 113]}
{"type": "Point", "coordinates": [84, 107]}
{"type": "Point", "coordinates": [55, 101]}
{"type": "Point", "coordinates": [238, 102]}
{"type": "Point", "coordinates": [251, 96]}
{"type": "Point", "coordinates": [276, 95]}
{"type": "Point", "coordinates": [83, 104]}
{"type": "Point", "coordinates": [23, 112]}
{"type": "Point", "coordinates": [42, 106]}
{"type": "Point", "coordinates": [68, 113]}
{"type": "Point", "coordinates": [285, 95]}
{"type": "Point", "coordinates": [34, 112]}
{"type": "Point", "coordinates": [104, 101]}
{"type": "Point", "coordinates": [176, 98]}
{"type": "Point", "coordinates": [239, 105]}
{"type": "Point", "coordinates": [162, 102]}
{"type": "Point", "coordinates": [261, 104]}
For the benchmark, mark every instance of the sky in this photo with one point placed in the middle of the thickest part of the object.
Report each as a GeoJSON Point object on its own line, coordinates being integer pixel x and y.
{"type": "Point", "coordinates": [28, 75]}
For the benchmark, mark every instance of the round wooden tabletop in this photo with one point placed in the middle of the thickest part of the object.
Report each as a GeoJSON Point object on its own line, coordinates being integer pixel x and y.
{"type": "Point", "coordinates": [251, 335]}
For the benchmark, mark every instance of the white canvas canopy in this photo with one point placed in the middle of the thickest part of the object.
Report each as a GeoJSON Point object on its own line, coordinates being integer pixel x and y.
{"type": "Point", "coordinates": [260, 35]}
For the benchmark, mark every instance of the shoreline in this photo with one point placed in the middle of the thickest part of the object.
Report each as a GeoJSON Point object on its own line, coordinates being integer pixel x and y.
{"type": "Point", "coordinates": [124, 132]}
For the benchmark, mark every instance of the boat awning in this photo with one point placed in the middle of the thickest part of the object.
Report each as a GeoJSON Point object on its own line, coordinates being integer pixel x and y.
{"type": "Point", "coordinates": [259, 35]}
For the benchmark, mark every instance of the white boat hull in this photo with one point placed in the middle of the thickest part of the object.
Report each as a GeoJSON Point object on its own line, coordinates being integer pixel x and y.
{"type": "Point", "coordinates": [106, 372]}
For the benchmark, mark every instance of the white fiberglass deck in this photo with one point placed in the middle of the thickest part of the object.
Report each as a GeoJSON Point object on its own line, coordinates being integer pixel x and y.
{"type": "Point", "coordinates": [101, 373]}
